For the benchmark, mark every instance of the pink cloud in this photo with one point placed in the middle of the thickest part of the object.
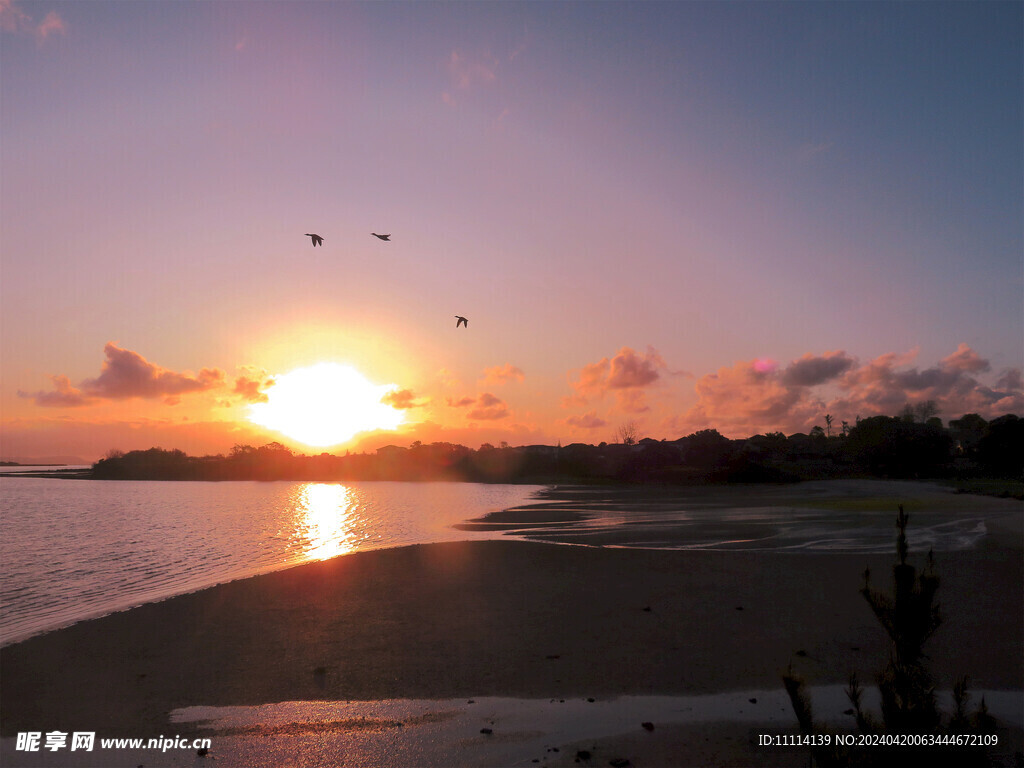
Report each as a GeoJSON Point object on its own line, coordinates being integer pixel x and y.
{"type": "Point", "coordinates": [403, 399]}
{"type": "Point", "coordinates": [502, 374]}
{"type": "Point", "coordinates": [589, 420]}
{"type": "Point", "coordinates": [126, 374]}
{"type": "Point", "coordinates": [16, 21]}
{"type": "Point", "coordinates": [489, 408]}
{"type": "Point", "coordinates": [743, 399]}
{"type": "Point", "coordinates": [251, 384]}
{"type": "Point", "coordinates": [626, 369]}
{"type": "Point", "coordinates": [63, 396]}
{"type": "Point", "coordinates": [632, 400]}
{"type": "Point", "coordinates": [468, 71]}
{"type": "Point", "coordinates": [748, 398]}
{"type": "Point", "coordinates": [52, 24]}
{"type": "Point", "coordinates": [964, 359]}
{"type": "Point", "coordinates": [883, 387]}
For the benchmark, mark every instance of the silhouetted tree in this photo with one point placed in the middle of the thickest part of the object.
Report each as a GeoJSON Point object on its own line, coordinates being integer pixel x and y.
{"type": "Point", "coordinates": [1001, 448]}
{"type": "Point", "coordinates": [628, 433]}
{"type": "Point", "coordinates": [910, 616]}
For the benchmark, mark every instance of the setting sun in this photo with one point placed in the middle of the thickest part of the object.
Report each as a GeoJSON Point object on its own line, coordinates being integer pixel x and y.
{"type": "Point", "coordinates": [325, 404]}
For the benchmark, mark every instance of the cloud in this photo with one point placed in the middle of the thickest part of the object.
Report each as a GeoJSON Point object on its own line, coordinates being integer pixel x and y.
{"type": "Point", "coordinates": [126, 374]}
{"type": "Point", "coordinates": [748, 398]}
{"type": "Point", "coordinates": [15, 21]}
{"type": "Point", "coordinates": [881, 387]}
{"type": "Point", "coordinates": [632, 400]}
{"type": "Point", "coordinates": [469, 71]}
{"type": "Point", "coordinates": [964, 359]}
{"type": "Point", "coordinates": [251, 384]}
{"type": "Point", "coordinates": [811, 370]}
{"type": "Point", "coordinates": [808, 151]}
{"type": "Point", "coordinates": [589, 420]}
{"type": "Point", "coordinates": [64, 395]}
{"type": "Point", "coordinates": [626, 370]}
{"type": "Point", "coordinates": [52, 24]}
{"type": "Point", "coordinates": [744, 399]}
{"type": "Point", "coordinates": [489, 408]}
{"type": "Point", "coordinates": [1010, 380]}
{"type": "Point", "coordinates": [488, 400]}
{"type": "Point", "coordinates": [502, 374]}
{"type": "Point", "coordinates": [447, 378]}
{"type": "Point", "coordinates": [403, 399]}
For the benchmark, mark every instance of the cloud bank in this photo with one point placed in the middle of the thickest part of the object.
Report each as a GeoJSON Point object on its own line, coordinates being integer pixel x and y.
{"type": "Point", "coordinates": [126, 374]}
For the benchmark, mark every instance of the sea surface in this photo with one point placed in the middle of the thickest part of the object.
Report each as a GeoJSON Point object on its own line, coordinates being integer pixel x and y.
{"type": "Point", "coordinates": [75, 549]}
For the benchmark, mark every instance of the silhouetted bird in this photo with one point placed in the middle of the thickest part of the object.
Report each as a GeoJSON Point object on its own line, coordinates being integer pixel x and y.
{"type": "Point", "coordinates": [382, 237]}
{"type": "Point", "coordinates": [460, 320]}
{"type": "Point", "coordinates": [317, 240]}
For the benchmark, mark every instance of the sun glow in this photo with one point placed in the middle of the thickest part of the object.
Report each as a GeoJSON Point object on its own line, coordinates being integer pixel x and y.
{"type": "Point", "coordinates": [325, 404]}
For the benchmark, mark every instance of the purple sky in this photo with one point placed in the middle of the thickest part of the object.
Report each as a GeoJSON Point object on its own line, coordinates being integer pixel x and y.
{"type": "Point", "coordinates": [687, 215]}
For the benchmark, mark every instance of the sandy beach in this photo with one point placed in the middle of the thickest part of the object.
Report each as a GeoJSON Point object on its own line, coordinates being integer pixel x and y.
{"type": "Point", "coordinates": [515, 619]}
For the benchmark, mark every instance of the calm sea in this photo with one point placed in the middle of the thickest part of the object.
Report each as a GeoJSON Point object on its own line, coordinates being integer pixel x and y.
{"type": "Point", "coordinates": [73, 549]}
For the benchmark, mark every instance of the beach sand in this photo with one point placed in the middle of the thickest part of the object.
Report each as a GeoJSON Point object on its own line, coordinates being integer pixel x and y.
{"type": "Point", "coordinates": [515, 619]}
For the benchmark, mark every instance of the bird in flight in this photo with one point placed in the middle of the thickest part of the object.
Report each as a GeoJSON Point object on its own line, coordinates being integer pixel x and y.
{"type": "Point", "coordinates": [460, 320]}
{"type": "Point", "coordinates": [382, 237]}
{"type": "Point", "coordinates": [317, 240]}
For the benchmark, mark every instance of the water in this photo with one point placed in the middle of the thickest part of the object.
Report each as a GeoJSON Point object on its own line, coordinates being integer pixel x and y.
{"type": "Point", "coordinates": [73, 549]}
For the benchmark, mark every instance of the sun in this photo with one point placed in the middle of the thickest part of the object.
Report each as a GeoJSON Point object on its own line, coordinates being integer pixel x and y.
{"type": "Point", "coordinates": [325, 404]}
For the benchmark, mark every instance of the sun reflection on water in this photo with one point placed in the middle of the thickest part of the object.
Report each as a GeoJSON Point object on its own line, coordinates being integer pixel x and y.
{"type": "Point", "coordinates": [324, 524]}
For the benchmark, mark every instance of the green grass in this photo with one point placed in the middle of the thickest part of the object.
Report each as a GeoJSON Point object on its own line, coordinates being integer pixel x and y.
{"type": "Point", "coordinates": [866, 504]}
{"type": "Point", "coordinates": [1006, 489]}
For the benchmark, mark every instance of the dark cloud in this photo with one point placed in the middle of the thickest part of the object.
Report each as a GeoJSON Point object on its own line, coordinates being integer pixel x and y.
{"type": "Point", "coordinates": [1010, 380]}
{"type": "Point", "coordinates": [810, 370]}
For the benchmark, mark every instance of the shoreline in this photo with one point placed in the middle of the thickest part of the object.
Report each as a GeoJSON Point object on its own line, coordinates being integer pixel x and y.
{"type": "Point", "coordinates": [518, 619]}
{"type": "Point", "coordinates": [508, 618]}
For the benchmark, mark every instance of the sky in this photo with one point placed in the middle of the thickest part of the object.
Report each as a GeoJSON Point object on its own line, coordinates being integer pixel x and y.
{"type": "Point", "coordinates": [686, 215]}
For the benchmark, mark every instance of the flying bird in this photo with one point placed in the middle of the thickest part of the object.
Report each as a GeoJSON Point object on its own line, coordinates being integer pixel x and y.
{"type": "Point", "coordinates": [317, 240]}
{"type": "Point", "coordinates": [382, 237]}
{"type": "Point", "coordinates": [460, 320]}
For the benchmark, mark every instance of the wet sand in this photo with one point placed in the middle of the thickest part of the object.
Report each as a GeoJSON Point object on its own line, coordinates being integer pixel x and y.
{"type": "Point", "coordinates": [512, 618]}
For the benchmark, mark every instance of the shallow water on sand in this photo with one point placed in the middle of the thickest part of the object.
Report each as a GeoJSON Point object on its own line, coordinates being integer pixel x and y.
{"type": "Point", "coordinates": [448, 733]}
{"type": "Point", "coordinates": [834, 516]}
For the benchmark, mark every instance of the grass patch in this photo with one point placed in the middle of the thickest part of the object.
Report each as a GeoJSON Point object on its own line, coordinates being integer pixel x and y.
{"type": "Point", "coordinates": [1004, 489]}
{"type": "Point", "coordinates": [865, 503]}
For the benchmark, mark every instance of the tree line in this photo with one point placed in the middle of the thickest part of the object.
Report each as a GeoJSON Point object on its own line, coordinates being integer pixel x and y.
{"type": "Point", "coordinates": [901, 446]}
